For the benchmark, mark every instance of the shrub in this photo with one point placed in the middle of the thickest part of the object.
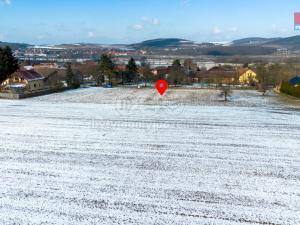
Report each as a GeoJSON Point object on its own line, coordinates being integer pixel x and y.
{"type": "Point", "coordinates": [289, 89]}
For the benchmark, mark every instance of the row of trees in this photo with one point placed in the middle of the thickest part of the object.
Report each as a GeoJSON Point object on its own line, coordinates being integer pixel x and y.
{"type": "Point", "coordinates": [106, 71]}
{"type": "Point", "coordinates": [178, 73]}
{"type": "Point", "coordinates": [272, 75]}
{"type": "Point", "coordinates": [8, 63]}
{"type": "Point", "coordinates": [268, 75]}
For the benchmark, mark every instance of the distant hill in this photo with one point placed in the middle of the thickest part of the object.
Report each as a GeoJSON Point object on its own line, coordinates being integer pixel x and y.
{"type": "Point", "coordinates": [176, 46]}
{"type": "Point", "coordinates": [287, 42]}
{"type": "Point", "coordinates": [14, 45]}
{"type": "Point", "coordinates": [163, 43]}
{"type": "Point", "coordinates": [253, 41]}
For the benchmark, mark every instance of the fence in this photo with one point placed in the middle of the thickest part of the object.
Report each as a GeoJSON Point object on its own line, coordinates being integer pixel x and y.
{"type": "Point", "coordinates": [10, 95]}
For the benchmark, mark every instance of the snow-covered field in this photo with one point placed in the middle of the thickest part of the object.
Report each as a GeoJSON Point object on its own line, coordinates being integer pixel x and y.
{"type": "Point", "coordinates": [127, 156]}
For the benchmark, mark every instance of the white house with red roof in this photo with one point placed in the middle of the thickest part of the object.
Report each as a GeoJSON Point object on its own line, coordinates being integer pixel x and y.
{"type": "Point", "coordinates": [24, 81]}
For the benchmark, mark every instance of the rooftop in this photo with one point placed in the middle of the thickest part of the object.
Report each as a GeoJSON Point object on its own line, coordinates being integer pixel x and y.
{"type": "Point", "coordinates": [28, 75]}
{"type": "Point", "coordinates": [295, 80]}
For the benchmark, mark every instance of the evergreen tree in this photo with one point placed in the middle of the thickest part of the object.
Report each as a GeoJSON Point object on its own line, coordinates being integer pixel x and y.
{"type": "Point", "coordinates": [105, 70]}
{"type": "Point", "coordinates": [70, 77]}
{"type": "Point", "coordinates": [8, 63]}
{"type": "Point", "coordinates": [78, 79]}
{"type": "Point", "coordinates": [176, 63]}
{"type": "Point", "coordinates": [189, 68]}
{"type": "Point", "coordinates": [177, 74]}
{"type": "Point", "coordinates": [147, 73]}
{"type": "Point", "coordinates": [131, 71]}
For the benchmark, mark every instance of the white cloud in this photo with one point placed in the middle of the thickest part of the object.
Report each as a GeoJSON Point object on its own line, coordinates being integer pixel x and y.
{"type": "Point", "coordinates": [6, 2]}
{"type": "Point", "coordinates": [137, 27]}
{"type": "Point", "coordinates": [217, 30]}
{"type": "Point", "coordinates": [91, 34]}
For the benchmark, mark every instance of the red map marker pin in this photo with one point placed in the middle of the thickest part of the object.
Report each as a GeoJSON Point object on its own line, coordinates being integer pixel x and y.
{"type": "Point", "coordinates": [161, 86]}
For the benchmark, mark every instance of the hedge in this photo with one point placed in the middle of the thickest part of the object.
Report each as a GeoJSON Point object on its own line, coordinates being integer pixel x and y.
{"type": "Point", "coordinates": [289, 89]}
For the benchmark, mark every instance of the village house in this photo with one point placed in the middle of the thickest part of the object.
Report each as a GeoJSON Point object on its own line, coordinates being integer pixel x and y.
{"type": "Point", "coordinates": [53, 81]}
{"type": "Point", "coordinates": [161, 72]}
{"type": "Point", "coordinates": [23, 81]}
{"type": "Point", "coordinates": [121, 67]}
{"type": "Point", "coordinates": [247, 76]}
{"type": "Point", "coordinates": [218, 75]}
{"type": "Point", "coordinates": [295, 81]}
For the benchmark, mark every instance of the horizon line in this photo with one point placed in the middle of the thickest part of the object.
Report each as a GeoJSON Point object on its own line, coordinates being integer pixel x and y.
{"type": "Point", "coordinates": [98, 43]}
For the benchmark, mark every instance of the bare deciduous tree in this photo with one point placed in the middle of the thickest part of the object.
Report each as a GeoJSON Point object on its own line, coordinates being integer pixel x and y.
{"type": "Point", "coordinates": [225, 91]}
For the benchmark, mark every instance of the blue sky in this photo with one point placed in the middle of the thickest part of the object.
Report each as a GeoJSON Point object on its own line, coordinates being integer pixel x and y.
{"type": "Point", "coordinates": [128, 21]}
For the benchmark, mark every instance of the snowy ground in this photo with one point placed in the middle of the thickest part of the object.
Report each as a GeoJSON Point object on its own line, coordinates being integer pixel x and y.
{"type": "Point", "coordinates": [127, 156]}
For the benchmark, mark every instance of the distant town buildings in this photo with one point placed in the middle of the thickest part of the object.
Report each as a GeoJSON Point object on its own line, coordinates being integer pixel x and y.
{"type": "Point", "coordinates": [283, 52]}
{"type": "Point", "coordinates": [46, 65]}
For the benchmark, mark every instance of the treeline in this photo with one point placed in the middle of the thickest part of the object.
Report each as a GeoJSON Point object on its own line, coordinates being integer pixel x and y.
{"type": "Point", "coordinates": [274, 74]}
{"type": "Point", "coordinates": [278, 75]}
{"type": "Point", "coordinates": [271, 75]}
{"type": "Point", "coordinates": [219, 51]}
{"type": "Point", "coordinates": [107, 72]}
